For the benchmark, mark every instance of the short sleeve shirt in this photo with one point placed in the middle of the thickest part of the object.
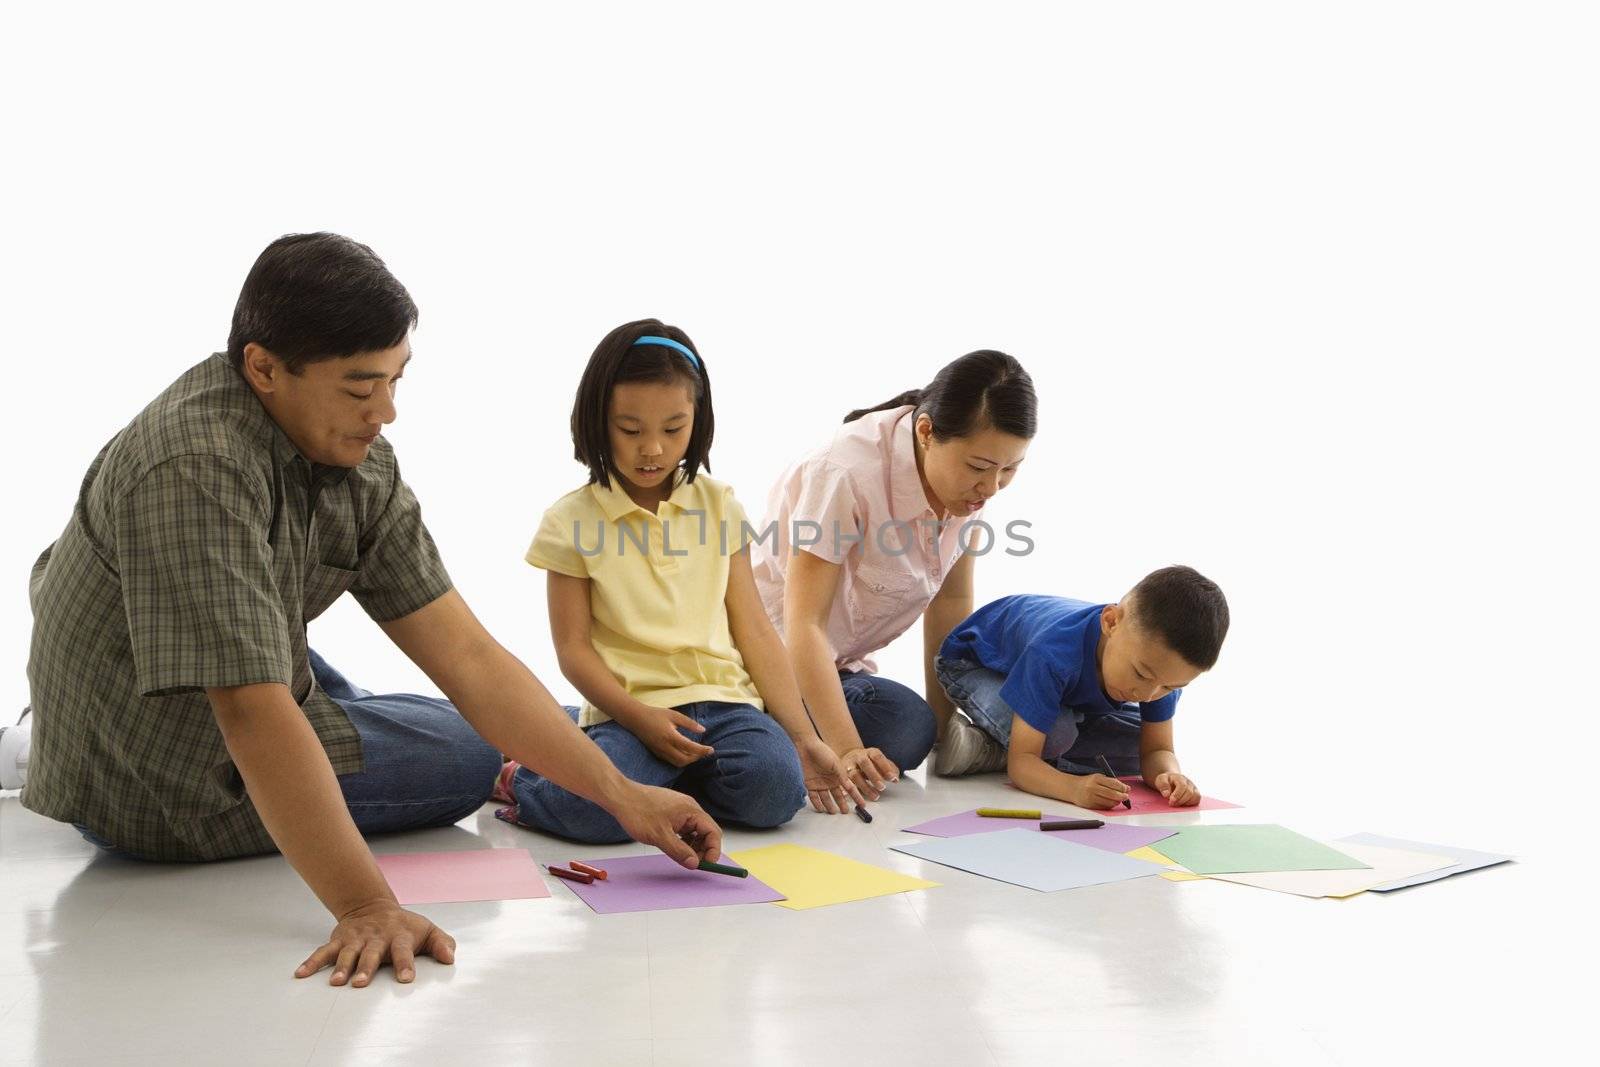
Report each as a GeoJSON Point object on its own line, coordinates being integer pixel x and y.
{"type": "Point", "coordinates": [201, 545]}
{"type": "Point", "coordinates": [658, 588]}
{"type": "Point", "coordinates": [1046, 646]}
{"type": "Point", "coordinates": [859, 503]}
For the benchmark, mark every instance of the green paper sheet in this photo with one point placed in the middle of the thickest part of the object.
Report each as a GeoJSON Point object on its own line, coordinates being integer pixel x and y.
{"type": "Point", "coordinates": [1252, 849]}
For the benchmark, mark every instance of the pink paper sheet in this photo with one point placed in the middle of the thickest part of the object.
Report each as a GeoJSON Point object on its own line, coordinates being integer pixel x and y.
{"type": "Point", "coordinates": [472, 874]}
{"type": "Point", "coordinates": [1147, 801]}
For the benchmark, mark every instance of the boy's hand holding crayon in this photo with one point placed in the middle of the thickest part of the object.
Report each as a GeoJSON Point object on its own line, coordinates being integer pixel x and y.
{"type": "Point", "coordinates": [1097, 791]}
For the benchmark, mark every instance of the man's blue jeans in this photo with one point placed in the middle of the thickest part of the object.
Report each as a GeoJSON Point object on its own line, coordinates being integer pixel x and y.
{"type": "Point", "coordinates": [753, 778]}
{"type": "Point", "coordinates": [890, 717]}
{"type": "Point", "coordinates": [424, 764]}
{"type": "Point", "coordinates": [1070, 746]}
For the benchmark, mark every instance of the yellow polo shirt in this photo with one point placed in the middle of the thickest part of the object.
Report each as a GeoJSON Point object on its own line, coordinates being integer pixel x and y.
{"type": "Point", "coordinates": [657, 588]}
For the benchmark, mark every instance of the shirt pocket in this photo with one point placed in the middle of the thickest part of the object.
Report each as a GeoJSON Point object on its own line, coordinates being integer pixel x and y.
{"type": "Point", "coordinates": [879, 595]}
{"type": "Point", "coordinates": [324, 583]}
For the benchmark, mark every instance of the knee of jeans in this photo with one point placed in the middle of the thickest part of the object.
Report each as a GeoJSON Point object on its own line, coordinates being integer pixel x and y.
{"type": "Point", "coordinates": [600, 829]}
{"type": "Point", "coordinates": [545, 806]}
{"type": "Point", "coordinates": [776, 807]}
{"type": "Point", "coordinates": [768, 794]}
{"type": "Point", "coordinates": [479, 765]}
{"type": "Point", "coordinates": [914, 740]}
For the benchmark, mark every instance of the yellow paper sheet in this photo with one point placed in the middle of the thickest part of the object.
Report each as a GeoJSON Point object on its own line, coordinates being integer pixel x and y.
{"type": "Point", "coordinates": [811, 878]}
{"type": "Point", "coordinates": [1176, 874]}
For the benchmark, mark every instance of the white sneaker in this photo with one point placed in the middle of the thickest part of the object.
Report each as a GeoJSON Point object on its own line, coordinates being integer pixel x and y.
{"type": "Point", "coordinates": [966, 750]}
{"type": "Point", "coordinates": [15, 741]}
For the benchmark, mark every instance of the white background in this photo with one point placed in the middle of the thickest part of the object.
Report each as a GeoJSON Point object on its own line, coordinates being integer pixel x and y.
{"type": "Point", "coordinates": [1308, 295]}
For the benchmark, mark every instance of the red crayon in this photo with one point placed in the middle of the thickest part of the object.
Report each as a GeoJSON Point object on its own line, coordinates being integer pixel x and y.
{"type": "Point", "coordinates": [571, 876]}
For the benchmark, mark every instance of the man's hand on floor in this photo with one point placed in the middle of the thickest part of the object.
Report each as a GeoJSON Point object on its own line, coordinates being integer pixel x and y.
{"type": "Point", "coordinates": [375, 934]}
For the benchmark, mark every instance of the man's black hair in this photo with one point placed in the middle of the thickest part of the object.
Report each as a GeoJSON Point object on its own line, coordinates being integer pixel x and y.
{"type": "Point", "coordinates": [317, 296]}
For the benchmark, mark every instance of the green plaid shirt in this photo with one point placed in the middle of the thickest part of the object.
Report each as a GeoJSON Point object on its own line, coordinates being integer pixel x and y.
{"type": "Point", "coordinates": [201, 544]}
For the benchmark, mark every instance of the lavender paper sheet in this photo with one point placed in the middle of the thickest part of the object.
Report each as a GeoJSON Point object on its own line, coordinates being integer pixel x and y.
{"type": "Point", "coordinates": [1112, 837]}
{"type": "Point", "coordinates": [656, 883]}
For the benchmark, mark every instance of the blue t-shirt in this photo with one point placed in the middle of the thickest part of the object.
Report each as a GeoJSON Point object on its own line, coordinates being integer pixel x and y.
{"type": "Point", "coordinates": [1045, 646]}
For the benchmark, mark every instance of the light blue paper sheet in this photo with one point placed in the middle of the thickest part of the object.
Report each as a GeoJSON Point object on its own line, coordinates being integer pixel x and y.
{"type": "Point", "coordinates": [1030, 859]}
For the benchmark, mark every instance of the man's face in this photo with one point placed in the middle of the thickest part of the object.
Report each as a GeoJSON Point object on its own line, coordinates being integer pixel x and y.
{"type": "Point", "coordinates": [1137, 666]}
{"type": "Point", "coordinates": [332, 410]}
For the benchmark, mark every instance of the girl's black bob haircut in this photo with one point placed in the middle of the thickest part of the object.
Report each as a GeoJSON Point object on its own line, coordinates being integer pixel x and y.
{"type": "Point", "coordinates": [616, 360]}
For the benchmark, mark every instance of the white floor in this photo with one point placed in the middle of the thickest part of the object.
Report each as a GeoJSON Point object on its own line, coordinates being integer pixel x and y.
{"type": "Point", "coordinates": [105, 961]}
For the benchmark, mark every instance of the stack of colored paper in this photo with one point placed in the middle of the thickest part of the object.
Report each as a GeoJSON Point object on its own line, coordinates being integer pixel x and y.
{"type": "Point", "coordinates": [1273, 857]}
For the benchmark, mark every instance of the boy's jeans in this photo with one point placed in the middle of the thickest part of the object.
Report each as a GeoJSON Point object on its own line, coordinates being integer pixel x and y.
{"type": "Point", "coordinates": [1070, 746]}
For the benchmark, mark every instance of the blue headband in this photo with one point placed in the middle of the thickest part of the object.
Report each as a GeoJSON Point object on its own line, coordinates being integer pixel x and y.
{"type": "Point", "coordinates": [667, 342]}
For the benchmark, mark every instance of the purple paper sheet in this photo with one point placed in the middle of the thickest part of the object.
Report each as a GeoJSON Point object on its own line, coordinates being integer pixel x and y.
{"type": "Point", "coordinates": [1112, 837]}
{"type": "Point", "coordinates": [656, 883]}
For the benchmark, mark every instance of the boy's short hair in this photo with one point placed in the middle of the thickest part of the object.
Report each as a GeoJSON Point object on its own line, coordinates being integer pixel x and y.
{"type": "Point", "coordinates": [1186, 610]}
{"type": "Point", "coordinates": [317, 296]}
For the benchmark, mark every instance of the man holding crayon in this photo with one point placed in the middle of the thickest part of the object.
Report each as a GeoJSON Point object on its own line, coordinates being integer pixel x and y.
{"type": "Point", "coordinates": [178, 713]}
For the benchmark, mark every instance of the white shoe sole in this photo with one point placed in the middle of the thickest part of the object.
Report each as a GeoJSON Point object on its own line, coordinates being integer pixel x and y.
{"type": "Point", "coordinates": [14, 745]}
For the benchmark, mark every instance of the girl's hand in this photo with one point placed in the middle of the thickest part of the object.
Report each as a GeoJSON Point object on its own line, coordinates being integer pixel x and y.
{"type": "Point", "coordinates": [870, 769]}
{"type": "Point", "coordinates": [1096, 791]}
{"type": "Point", "coordinates": [828, 784]}
{"type": "Point", "coordinates": [1179, 791]}
{"type": "Point", "coordinates": [660, 730]}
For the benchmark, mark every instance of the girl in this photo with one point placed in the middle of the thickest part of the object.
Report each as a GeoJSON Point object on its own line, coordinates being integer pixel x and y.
{"type": "Point", "coordinates": [879, 513]}
{"type": "Point", "coordinates": [654, 610]}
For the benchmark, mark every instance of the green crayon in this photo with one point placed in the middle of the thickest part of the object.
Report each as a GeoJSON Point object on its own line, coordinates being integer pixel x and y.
{"type": "Point", "coordinates": [723, 868]}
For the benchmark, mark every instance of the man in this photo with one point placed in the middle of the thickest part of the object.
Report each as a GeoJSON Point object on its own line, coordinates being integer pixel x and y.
{"type": "Point", "coordinates": [177, 712]}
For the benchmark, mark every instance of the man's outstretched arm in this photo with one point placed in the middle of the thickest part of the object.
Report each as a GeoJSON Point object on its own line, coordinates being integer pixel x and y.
{"type": "Point", "coordinates": [292, 784]}
{"type": "Point", "coordinates": [513, 711]}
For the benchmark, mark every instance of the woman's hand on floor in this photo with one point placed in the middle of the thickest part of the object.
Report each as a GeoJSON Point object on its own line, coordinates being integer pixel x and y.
{"type": "Point", "coordinates": [375, 934]}
{"type": "Point", "coordinates": [871, 769]}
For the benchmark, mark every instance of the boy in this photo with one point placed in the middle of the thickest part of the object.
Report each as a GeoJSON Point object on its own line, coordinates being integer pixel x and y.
{"type": "Point", "coordinates": [1051, 685]}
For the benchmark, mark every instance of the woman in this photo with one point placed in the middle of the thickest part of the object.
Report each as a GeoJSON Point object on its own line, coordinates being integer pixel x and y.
{"type": "Point", "coordinates": [872, 531]}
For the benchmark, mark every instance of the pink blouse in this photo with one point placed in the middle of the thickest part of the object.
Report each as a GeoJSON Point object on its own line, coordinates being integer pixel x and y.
{"type": "Point", "coordinates": [859, 503]}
